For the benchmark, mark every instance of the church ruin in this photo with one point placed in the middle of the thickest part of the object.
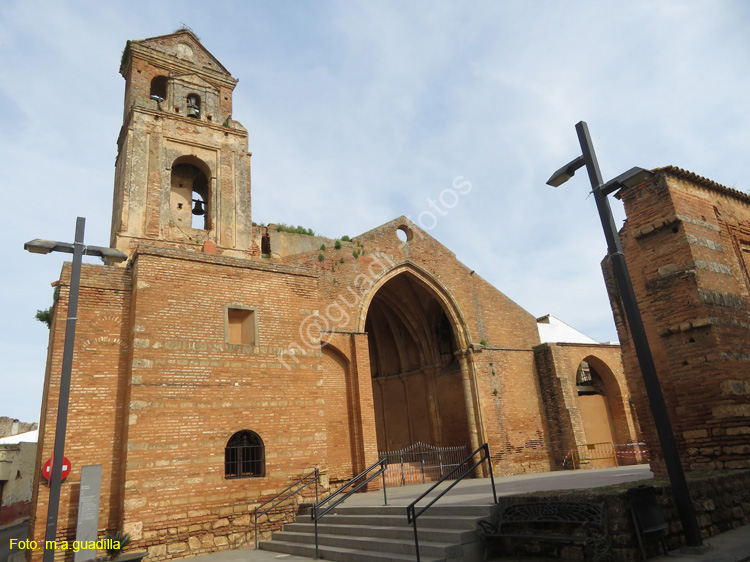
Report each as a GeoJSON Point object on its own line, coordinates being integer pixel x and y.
{"type": "Point", "coordinates": [224, 359]}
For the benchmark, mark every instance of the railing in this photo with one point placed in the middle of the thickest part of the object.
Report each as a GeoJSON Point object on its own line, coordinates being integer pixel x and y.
{"type": "Point", "coordinates": [412, 514]}
{"type": "Point", "coordinates": [304, 482]}
{"type": "Point", "coordinates": [591, 452]}
{"type": "Point", "coordinates": [317, 514]}
{"type": "Point", "coordinates": [420, 463]}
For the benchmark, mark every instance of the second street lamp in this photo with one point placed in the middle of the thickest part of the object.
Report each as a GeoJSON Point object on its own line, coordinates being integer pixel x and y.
{"type": "Point", "coordinates": [78, 250]}
{"type": "Point", "coordinates": [663, 425]}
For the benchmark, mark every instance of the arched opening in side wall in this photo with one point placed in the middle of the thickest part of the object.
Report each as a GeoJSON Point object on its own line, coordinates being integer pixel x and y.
{"type": "Point", "coordinates": [341, 453]}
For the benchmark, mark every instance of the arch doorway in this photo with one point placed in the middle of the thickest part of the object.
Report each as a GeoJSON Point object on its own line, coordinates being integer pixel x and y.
{"type": "Point", "coordinates": [592, 400]}
{"type": "Point", "coordinates": [418, 391]}
{"type": "Point", "coordinates": [600, 402]}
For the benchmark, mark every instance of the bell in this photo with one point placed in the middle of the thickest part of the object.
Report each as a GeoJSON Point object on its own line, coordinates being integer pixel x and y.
{"type": "Point", "coordinates": [198, 208]}
{"type": "Point", "coordinates": [193, 112]}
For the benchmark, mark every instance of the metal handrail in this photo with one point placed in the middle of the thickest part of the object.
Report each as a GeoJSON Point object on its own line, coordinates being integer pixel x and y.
{"type": "Point", "coordinates": [315, 514]}
{"type": "Point", "coordinates": [316, 477]}
{"type": "Point", "coordinates": [412, 514]}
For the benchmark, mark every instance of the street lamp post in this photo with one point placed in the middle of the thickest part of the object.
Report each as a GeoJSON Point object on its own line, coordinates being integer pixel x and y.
{"type": "Point", "coordinates": [78, 250]}
{"type": "Point", "coordinates": [600, 189]}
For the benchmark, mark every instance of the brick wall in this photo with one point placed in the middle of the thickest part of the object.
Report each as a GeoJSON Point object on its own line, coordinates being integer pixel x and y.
{"type": "Point", "coordinates": [504, 389]}
{"type": "Point", "coordinates": [157, 391]}
{"type": "Point", "coordinates": [191, 391]}
{"type": "Point", "coordinates": [558, 365]}
{"type": "Point", "coordinates": [686, 241]}
{"type": "Point", "coordinates": [97, 408]}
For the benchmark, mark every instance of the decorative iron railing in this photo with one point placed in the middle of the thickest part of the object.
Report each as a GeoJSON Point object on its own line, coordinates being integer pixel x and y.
{"type": "Point", "coordinates": [420, 463]}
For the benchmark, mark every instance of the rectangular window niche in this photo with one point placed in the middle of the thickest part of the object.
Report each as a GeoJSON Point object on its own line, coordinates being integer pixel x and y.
{"type": "Point", "coordinates": [240, 325]}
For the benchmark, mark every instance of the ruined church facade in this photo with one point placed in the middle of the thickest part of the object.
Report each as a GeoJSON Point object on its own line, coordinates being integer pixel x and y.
{"type": "Point", "coordinates": [223, 360]}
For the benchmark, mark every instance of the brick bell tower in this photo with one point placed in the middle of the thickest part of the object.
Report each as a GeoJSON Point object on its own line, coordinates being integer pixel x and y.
{"type": "Point", "coordinates": [182, 175]}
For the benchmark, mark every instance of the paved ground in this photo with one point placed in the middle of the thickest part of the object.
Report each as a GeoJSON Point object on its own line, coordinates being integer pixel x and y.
{"type": "Point", "coordinates": [479, 491]}
{"type": "Point", "coordinates": [14, 531]}
{"type": "Point", "coordinates": [733, 546]}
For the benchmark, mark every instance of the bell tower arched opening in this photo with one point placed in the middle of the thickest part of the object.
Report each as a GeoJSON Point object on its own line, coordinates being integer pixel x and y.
{"type": "Point", "coordinates": [418, 391]}
{"type": "Point", "coordinates": [189, 195]}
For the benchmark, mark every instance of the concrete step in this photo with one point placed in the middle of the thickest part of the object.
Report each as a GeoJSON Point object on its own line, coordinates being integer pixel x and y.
{"type": "Point", "coordinates": [381, 533]}
{"type": "Point", "coordinates": [435, 510]}
{"type": "Point", "coordinates": [390, 545]}
{"type": "Point", "coordinates": [455, 536]}
{"type": "Point", "coordinates": [399, 520]}
{"type": "Point", "coordinates": [340, 554]}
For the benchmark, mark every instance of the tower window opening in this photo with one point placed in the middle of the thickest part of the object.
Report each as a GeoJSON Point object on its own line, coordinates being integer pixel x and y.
{"type": "Point", "coordinates": [158, 88]}
{"type": "Point", "coordinates": [194, 106]}
{"type": "Point", "coordinates": [265, 244]}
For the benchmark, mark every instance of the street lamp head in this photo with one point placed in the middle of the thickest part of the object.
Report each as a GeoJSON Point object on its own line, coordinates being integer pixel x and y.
{"type": "Point", "coordinates": [111, 255]}
{"type": "Point", "coordinates": [565, 173]}
{"type": "Point", "coordinates": [632, 177]}
{"type": "Point", "coordinates": [40, 246]}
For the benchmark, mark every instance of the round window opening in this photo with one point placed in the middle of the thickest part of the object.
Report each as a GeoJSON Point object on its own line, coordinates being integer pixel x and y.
{"type": "Point", "coordinates": [404, 233]}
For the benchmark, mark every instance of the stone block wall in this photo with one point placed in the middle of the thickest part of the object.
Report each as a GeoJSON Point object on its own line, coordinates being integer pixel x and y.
{"type": "Point", "coordinates": [721, 501]}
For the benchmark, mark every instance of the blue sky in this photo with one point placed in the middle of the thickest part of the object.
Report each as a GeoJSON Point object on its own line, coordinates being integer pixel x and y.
{"type": "Point", "coordinates": [359, 112]}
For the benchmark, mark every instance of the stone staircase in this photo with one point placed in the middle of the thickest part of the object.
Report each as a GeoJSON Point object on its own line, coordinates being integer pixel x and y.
{"type": "Point", "coordinates": [380, 533]}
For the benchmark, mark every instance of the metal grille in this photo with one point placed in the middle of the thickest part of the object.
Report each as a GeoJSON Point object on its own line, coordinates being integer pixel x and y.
{"type": "Point", "coordinates": [619, 454]}
{"type": "Point", "coordinates": [244, 456]}
{"type": "Point", "coordinates": [585, 454]}
{"type": "Point", "coordinates": [420, 463]}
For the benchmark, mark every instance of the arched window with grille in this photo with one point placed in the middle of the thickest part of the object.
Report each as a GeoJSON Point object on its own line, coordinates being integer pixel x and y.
{"type": "Point", "coordinates": [244, 456]}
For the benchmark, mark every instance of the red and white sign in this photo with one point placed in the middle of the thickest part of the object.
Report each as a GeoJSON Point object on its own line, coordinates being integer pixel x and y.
{"type": "Point", "coordinates": [47, 469]}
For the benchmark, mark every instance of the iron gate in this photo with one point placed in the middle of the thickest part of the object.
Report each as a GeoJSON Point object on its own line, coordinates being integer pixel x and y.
{"type": "Point", "coordinates": [420, 463]}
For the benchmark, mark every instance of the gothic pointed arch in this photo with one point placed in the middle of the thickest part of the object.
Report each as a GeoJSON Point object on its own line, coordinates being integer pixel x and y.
{"type": "Point", "coordinates": [424, 277]}
{"type": "Point", "coordinates": [421, 369]}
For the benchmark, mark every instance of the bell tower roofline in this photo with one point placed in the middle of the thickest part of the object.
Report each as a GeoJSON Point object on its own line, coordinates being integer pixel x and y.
{"type": "Point", "coordinates": [178, 53]}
